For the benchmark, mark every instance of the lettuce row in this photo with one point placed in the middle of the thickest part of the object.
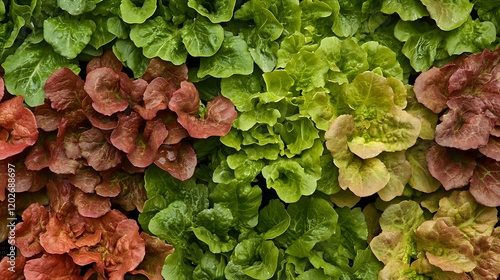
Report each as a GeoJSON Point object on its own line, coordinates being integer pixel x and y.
{"type": "Point", "coordinates": [227, 230]}
{"type": "Point", "coordinates": [456, 239]}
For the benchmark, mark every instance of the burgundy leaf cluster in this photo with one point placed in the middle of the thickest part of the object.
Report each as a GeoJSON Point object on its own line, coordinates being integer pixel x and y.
{"type": "Point", "coordinates": [109, 118]}
{"type": "Point", "coordinates": [18, 128]}
{"type": "Point", "coordinates": [75, 231]}
{"type": "Point", "coordinates": [466, 94]}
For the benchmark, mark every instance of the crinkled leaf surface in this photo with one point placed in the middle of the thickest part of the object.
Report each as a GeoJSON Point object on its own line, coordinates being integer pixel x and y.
{"type": "Point", "coordinates": [18, 127]}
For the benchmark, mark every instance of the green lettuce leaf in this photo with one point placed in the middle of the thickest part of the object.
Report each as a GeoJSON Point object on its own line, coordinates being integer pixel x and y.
{"type": "Point", "coordinates": [408, 10]}
{"type": "Point", "coordinates": [159, 38]}
{"type": "Point", "coordinates": [273, 220]}
{"type": "Point", "coordinates": [252, 258]}
{"type": "Point", "coordinates": [176, 266]}
{"type": "Point", "coordinates": [216, 11]}
{"type": "Point", "coordinates": [132, 14]}
{"type": "Point", "coordinates": [232, 58]}
{"type": "Point", "coordinates": [307, 70]}
{"type": "Point", "coordinates": [131, 56]}
{"type": "Point", "coordinates": [27, 69]}
{"type": "Point", "coordinates": [395, 242]}
{"type": "Point", "coordinates": [202, 37]}
{"type": "Point", "coordinates": [243, 200]}
{"type": "Point", "coordinates": [173, 224]}
{"type": "Point", "coordinates": [77, 7]}
{"type": "Point", "coordinates": [423, 43]}
{"type": "Point", "coordinates": [301, 237]}
{"type": "Point", "coordinates": [211, 266]}
{"type": "Point", "coordinates": [471, 37]}
{"type": "Point", "coordinates": [162, 190]}
{"type": "Point", "coordinates": [68, 36]}
{"type": "Point", "coordinates": [448, 14]}
{"type": "Point", "coordinates": [211, 226]}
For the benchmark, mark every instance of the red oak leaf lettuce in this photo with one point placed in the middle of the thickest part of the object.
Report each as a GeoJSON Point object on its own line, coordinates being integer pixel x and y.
{"type": "Point", "coordinates": [179, 160]}
{"type": "Point", "coordinates": [218, 118]}
{"type": "Point", "coordinates": [139, 139]}
{"type": "Point", "coordinates": [107, 59]}
{"type": "Point", "coordinates": [35, 219]}
{"type": "Point", "coordinates": [174, 74]}
{"type": "Point", "coordinates": [99, 153]}
{"type": "Point", "coordinates": [65, 90]}
{"type": "Point", "coordinates": [103, 86]}
{"type": "Point", "coordinates": [52, 267]}
{"type": "Point", "coordinates": [18, 128]}
{"type": "Point", "coordinates": [467, 93]}
{"type": "Point", "coordinates": [156, 97]}
{"type": "Point", "coordinates": [120, 249]}
{"type": "Point", "coordinates": [18, 273]}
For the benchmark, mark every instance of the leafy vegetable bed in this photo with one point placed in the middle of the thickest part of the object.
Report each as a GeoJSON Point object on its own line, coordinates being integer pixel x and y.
{"type": "Point", "coordinates": [253, 139]}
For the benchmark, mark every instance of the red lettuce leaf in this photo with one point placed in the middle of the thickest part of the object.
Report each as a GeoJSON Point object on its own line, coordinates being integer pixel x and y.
{"type": "Point", "coordinates": [492, 148]}
{"type": "Point", "coordinates": [477, 75]}
{"type": "Point", "coordinates": [156, 252]}
{"type": "Point", "coordinates": [156, 98]}
{"type": "Point", "coordinates": [49, 267]}
{"type": "Point", "coordinates": [18, 128]}
{"type": "Point", "coordinates": [91, 205]}
{"type": "Point", "coordinates": [35, 219]}
{"type": "Point", "coordinates": [174, 74]}
{"type": "Point", "coordinates": [127, 190]}
{"type": "Point", "coordinates": [107, 59]}
{"type": "Point", "coordinates": [60, 163]}
{"type": "Point", "coordinates": [176, 132]}
{"type": "Point", "coordinates": [99, 153]}
{"type": "Point", "coordinates": [38, 156]}
{"type": "Point", "coordinates": [465, 126]}
{"type": "Point", "coordinates": [104, 87]}
{"type": "Point", "coordinates": [452, 167]}
{"type": "Point", "coordinates": [120, 250]}
{"type": "Point", "coordinates": [65, 90]}
{"type": "Point", "coordinates": [218, 118]}
{"type": "Point", "coordinates": [28, 180]}
{"type": "Point", "coordinates": [47, 118]}
{"type": "Point", "coordinates": [86, 179]}
{"type": "Point", "coordinates": [179, 160]}
{"type": "Point", "coordinates": [97, 119]}
{"type": "Point", "coordinates": [140, 145]}
{"type": "Point", "coordinates": [485, 182]}
{"type": "Point", "coordinates": [124, 135]}
{"type": "Point", "coordinates": [431, 86]}
{"type": "Point", "coordinates": [135, 90]}
{"type": "Point", "coordinates": [18, 273]}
